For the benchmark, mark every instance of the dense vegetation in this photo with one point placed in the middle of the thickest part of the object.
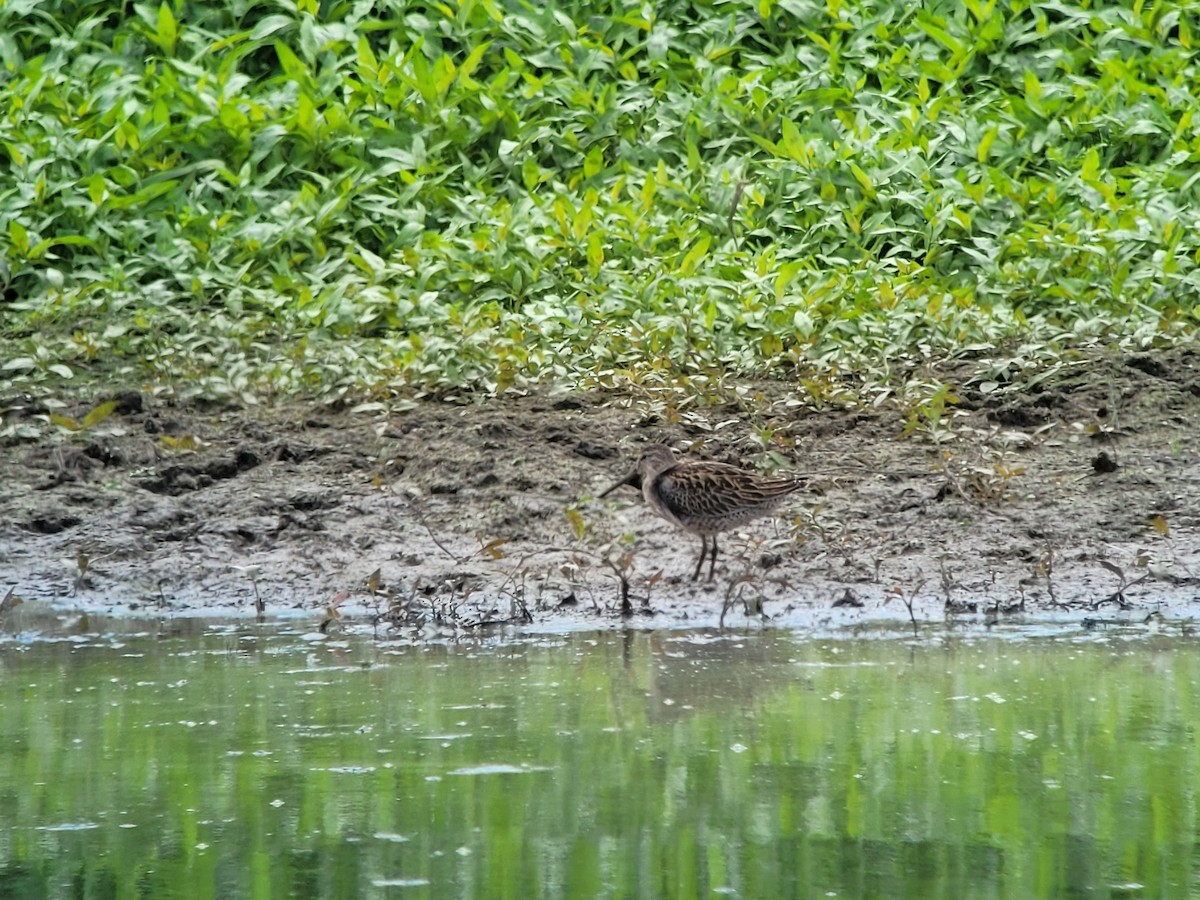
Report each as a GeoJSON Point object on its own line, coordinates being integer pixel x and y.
{"type": "Point", "coordinates": [355, 197]}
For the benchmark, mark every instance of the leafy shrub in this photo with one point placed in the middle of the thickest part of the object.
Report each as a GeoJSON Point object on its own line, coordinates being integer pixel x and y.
{"type": "Point", "coordinates": [347, 198]}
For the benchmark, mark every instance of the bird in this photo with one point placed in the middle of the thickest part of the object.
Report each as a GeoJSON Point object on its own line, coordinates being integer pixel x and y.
{"type": "Point", "coordinates": [704, 497]}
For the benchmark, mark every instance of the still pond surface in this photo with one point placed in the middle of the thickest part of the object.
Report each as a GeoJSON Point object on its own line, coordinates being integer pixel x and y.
{"type": "Point", "coordinates": [261, 762]}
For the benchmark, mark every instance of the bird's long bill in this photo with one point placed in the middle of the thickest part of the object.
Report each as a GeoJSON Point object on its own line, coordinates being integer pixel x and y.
{"type": "Point", "coordinates": [633, 479]}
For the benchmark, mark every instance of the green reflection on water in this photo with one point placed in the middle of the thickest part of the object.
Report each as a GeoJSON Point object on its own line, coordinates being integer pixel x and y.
{"type": "Point", "coordinates": [617, 765]}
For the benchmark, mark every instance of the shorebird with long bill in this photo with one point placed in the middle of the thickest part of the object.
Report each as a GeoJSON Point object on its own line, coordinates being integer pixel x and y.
{"type": "Point", "coordinates": [704, 497]}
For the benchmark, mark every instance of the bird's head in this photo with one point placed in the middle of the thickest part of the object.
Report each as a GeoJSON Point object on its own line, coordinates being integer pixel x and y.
{"type": "Point", "coordinates": [653, 461]}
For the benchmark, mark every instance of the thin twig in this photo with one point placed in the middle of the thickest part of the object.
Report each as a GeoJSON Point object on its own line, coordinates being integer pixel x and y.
{"type": "Point", "coordinates": [433, 537]}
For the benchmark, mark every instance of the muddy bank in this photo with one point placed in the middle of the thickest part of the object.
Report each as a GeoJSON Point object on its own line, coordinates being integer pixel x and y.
{"type": "Point", "coordinates": [1079, 496]}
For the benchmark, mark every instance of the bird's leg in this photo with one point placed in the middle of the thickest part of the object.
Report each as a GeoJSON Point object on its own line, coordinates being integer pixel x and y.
{"type": "Point", "coordinates": [700, 561]}
{"type": "Point", "coordinates": [712, 557]}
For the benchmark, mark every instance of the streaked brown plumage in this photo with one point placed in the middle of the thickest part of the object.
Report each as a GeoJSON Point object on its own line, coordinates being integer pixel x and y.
{"type": "Point", "coordinates": [704, 497]}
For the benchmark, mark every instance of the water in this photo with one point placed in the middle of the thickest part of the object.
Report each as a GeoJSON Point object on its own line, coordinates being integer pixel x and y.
{"type": "Point", "coordinates": [261, 763]}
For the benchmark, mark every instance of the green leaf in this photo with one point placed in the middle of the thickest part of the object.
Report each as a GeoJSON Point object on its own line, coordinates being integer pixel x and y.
{"type": "Point", "coordinates": [695, 255]}
{"type": "Point", "coordinates": [819, 40]}
{"type": "Point", "coordinates": [584, 215]}
{"type": "Point", "coordinates": [142, 197]}
{"type": "Point", "coordinates": [985, 143]}
{"type": "Point", "coordinates": [793, 143]}
{"type": "Point", "coordinates": [444, 73]}
{"type": "Point", "coordinates": [787, 272]}
{"type": "Point", "coordinates": [96, 188]}
{"type": "Point", "coordinates": [864, 180]}
{"type": "Point", "coordinates": [927, 24]}
{"type": "Point", "coordinates": [366, 56]}
{"type": "Point", "coordinates": [593, 162]}
{"type": "Point", "coordinates": [19, 236]}
{"type": "Point", "coordinates": [803, 324]}
{"type": "Point", "coordinates": [471, 63]}
{"type": "Point", "coordinates": [269, 25]}
{"type": "Point", "coordinates": [531, 173]}
{"type": "Point", "coordinates": [595, 252]}
{"type": "Point", "coordinates": [290, 62]}
{"type": "Point", "coordinates": [167, 32]}
{"type": "Point", "coordinates": [1033, 91]}
{"type": "Point", "coordinates": [39, 250]}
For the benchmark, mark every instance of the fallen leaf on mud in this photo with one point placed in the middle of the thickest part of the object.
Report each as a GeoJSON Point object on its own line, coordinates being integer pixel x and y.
{"type": "Point", "coordinates": [93, 418]}
{"type": "Point", "coordinates": [578, 526]}
{"type": "Point", "coordinates": [1159, 524]}
{"type": "Point", "coordinates": [373, 581]}
{"type": "Point", "coordinates": [99, 414]}
{"type": "Point", "coordinates": [182, 443]}
{"type": "Point", "coordinates": [492, 548]}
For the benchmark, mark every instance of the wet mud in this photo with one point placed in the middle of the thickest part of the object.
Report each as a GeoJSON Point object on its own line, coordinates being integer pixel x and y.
{"type": "Point", "coordinates": [1078, 496]}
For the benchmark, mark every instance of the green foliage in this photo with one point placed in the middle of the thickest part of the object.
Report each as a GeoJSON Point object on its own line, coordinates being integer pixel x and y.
{"type": "Point", "coordinates": [352, 197]}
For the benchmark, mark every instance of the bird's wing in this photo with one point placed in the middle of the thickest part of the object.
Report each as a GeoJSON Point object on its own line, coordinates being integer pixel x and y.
{"type": "Point", "coordinates": [717, 489]}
